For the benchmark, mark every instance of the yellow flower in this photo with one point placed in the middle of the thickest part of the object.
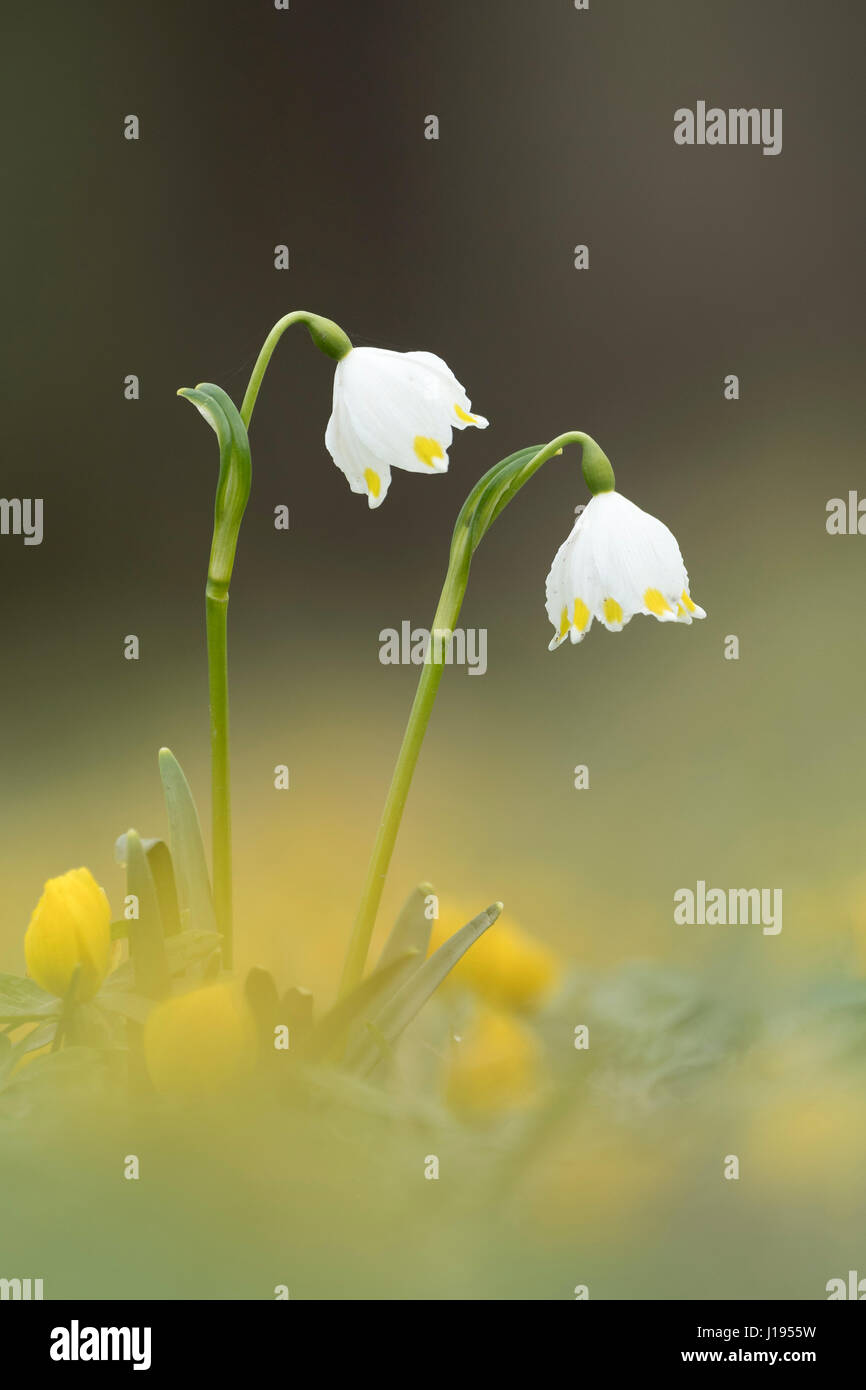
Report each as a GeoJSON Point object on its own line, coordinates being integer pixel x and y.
{"type": "Point", "coordinates": [494, 1067]}
{"type": "Point", "coordinates": [506, 966]}
{"type": "Point", "coordinates": [70, 926]}
{"type": "Point", "coordinates": [199, 1043]}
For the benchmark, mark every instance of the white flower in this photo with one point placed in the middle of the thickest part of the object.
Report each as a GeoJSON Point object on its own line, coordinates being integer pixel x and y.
{"type": "Point", "coordinates": [618, 561]}
{"type": "Point", "coordinates": [394, 410]}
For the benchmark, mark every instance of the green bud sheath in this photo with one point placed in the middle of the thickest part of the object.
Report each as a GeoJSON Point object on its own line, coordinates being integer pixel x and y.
{"type": "Point", "coordinates": [597, 470]}
{"type": "Point", "coordinates": [328, 337]}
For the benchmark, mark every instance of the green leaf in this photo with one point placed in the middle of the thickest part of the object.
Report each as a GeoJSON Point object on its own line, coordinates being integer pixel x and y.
{"type": "Point", "coordinates": [263, 998]}
{"type": "Point", "coordinates": [182, 951]}
{"type": "Point", "coordinates": [146, 941]}
{"type": "Point", "coordinates": [22, 1001]}
{"type": "Point", "coordinates": [411, 931]}
{"type": "Point", "coordinates": [369, 997]}
{"type": "Point", "coordinates": [72, 1064]}
{"type": "Point", "coordinates": [400, 1010]}
{"type": "Point", "coordinates": [235, 475]}
{"type": "Point", "coordinates": [187, 849]}
{"type": "Point", "coordinates": [162, 869]}
{"type": "Point", "coordinates": [296, 1010]}
{"type": "Point", "coordinates": [491, 493]}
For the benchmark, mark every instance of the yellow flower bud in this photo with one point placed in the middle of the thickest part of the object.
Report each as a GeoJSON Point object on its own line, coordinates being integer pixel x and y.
{"type": "Point", "coordinates": [70, 926]}
{"type": "Point", "coordinates": [199, 1043]}
{"type": "Point", "coordinates": [494, 1067]}
{"type": "Point", "coordinates": [506, 966]}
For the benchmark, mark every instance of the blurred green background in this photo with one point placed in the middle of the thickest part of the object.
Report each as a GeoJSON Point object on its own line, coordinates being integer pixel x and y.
{"type": "Point", "coordinates": [306, 127]}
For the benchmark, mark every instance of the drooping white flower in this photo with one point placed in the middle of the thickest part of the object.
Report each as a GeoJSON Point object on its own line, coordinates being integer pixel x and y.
{"type": "Point", "coordinates": [394, 410]}
{"type": "Point", "coordinates": [618, 561]}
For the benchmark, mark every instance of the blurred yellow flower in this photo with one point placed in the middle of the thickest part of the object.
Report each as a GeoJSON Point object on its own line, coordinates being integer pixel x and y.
{"type": "Point", "coordinates": [199, 1043]}
{"type": "Point", "coordinates": [598, 1181]}
{"type": "Point", "coordinates": [70, 926]}
{"type": "Point", "coordinates": [811, 1139]}
{"type": "Point", "coordinates": [494, 1067]}
{"type": "Point", "coordinates": [506, 966]}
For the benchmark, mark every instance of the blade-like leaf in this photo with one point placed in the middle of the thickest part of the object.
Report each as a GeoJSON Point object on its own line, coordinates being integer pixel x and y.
{"type": "Point", "coordinates": [187, 848]}
{"type": "Point", "coordinates": [296, 1011]}
{"type": "Point", "coordinates": [366, 1001]}
{"type": "Point", "coordinates": [159, 859]}
{"type": "Point", "coordinates": [413, 995]}
{"type": "Point", "coordinates": [146, 942]}
{"type": "Point", "coordinates": [411, 931]}
{"type": "Point", "coordinates": [263, 998]}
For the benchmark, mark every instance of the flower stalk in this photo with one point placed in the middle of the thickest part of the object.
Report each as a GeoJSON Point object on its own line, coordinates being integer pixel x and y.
{"type": "Point", "coordinates": [327, 336]}
{"type": "Point", "coordinates": [485, 503]}
{"type": "Point", "coordinates": [232, 494]}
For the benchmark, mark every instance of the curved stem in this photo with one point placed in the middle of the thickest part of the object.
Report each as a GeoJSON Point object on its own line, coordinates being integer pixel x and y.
{"type": "Point", "coordinates": [264, 357]}
{"type": "Point", "coordinates": [327, 335]}
{"type": "Point", "coordinates": [485, 503]}
{"type": "Point", "coordinates": [445, 619]}
{"type": "Point", "coordinates": [233, 489]}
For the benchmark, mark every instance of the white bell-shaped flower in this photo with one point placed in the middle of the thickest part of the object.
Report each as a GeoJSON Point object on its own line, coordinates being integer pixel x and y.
{"type": "Point", "coordinates": [394, 410]}
{"type": "Point", "coordinates": [618, 561]}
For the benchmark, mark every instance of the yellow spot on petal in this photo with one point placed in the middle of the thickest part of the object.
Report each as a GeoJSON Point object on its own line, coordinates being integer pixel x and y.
{"type": "Point", "coordinates": [372, 481]}
{"type": "Point", "coordinates": [428, 450]}
{"type": "Point", "coordinates": [687, 601]}
{"type": "Point", "coordinates": [563, 623]}
{"type": "Point", "coordinates": [581, 614]}
{"type": "Point", "coordinates": [612, 610]}
{"type": "Point", "coordinates": [656, 602]}
{"type": "Point", "coordinates": [681, 612]}
{"type": "Point", "coordinates": [462, 415]}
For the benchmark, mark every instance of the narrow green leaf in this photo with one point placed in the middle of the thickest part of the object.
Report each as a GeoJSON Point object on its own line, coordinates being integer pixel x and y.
{"type": "Point", "coordinates": [368, 998]}
{"type": "Point", "coordinates": [411, 931]}
{"type": "Point", "coordinates": [146, 942]}
{"type": "Point", "coordinates": [296, 1011]}
{"type": "Point", "coordinates": [187, 848]}
{"type": "Point", "coordinates": [159, 859]}
{"type": "Point", "coordinates": [400, 1010]}
{"type": "Point", "coordinates": [36, 1038]}
{"type": "Point", "coordinates": [263, 998]}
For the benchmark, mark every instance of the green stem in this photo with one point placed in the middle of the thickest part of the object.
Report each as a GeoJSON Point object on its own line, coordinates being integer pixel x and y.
{"type": "Point", "coordinates": [485, 503]}
{"type": "Point", "coordinates": [326, 334]}
{"type": "Point", "coordinates": [233, 490]}
{"type": "Point", "coordinates": [216, 611]}
{"type": "Point", "coordinates": [444, 623]}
